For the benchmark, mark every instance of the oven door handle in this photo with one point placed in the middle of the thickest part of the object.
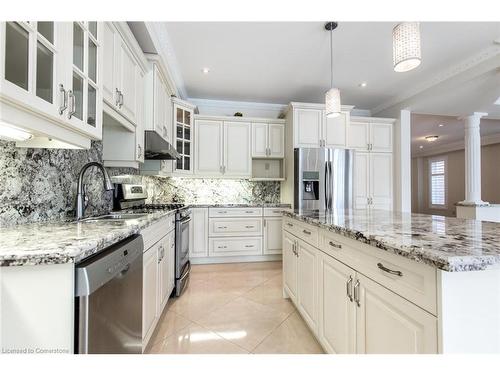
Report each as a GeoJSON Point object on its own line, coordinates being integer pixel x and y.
{"type": "Point", "coordinates": [186, 273]}
{"type": "Point", "coordinates": [184, 221]}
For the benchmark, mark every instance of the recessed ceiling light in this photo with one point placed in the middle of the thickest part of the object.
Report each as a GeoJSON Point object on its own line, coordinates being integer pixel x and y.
{"type": "Point", "coordinates": [497, 102]}
{"type": "Point", "coordinates": [431, 138]}
{"type": "Point", "coordinates": [440, 125]}
{"type": "Point", "coordinates": [420, 147]}
{"type": "Point", "coordinates": [362, 84]}
{"type": "Point", "coordinates": [205, 70]}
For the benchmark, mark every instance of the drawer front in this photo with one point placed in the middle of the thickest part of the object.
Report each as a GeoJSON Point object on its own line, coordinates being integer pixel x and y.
{"type": "Point", "coordinates": [412, 280]}
{"type": "Point", "coordinates": [234, 212]}
{"type": "Point", "coordinates": [304, 231]}
{"type": "Point", "coordinates": [234, 246]}
{"type": "Point", "coordinates": [277, 211]}
{"type": "Point", "coordinates": [235, 227]}
{"type": "Point", "coordinates": [156, 231]}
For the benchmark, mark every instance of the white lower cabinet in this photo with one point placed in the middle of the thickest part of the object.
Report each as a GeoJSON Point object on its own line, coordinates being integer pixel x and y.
{"type": "Point", "coordinates": [349, 312]}
{"type": "Point", "coordinates": [166, 274]}
{"type": "Point", "coordinates": [388, 324]}
{"type": "Point", "coordinates": [150, 290]}
{"type": "Point", "coordinates": [337, 313]}
{"type": "Point", "coordinates": [198, 231]}
{"type": "Point", "coordinates": [272, 235]}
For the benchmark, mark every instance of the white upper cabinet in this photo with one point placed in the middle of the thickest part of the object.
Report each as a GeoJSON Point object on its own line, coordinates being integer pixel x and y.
{"type": "Point", "coordinates": [370, 134]}
{"type": "Point", "coordinates": [183, 135]}
{"type": "Point", "coordinates": [361, 180]}
{"type": "Point", "coordinates": [268, 140]}
{"type": "Point", "coordinates": [109, 72]}
{"type": "Point", "coordinates": [209, 147]}
{"type": "Point", "coordinates": [161, 102]}
{"type": "Point", "coordinates": [126, 81]}
{"type": "Point", "coordinates": [335, 130]}
{"type": "Point", "coordinates": [237, 159]}
{"type": "Point", "coordinates": [312, 129]}
{"type": "Point", "coordinates": [307, 125]}
{"type": "Point", "coordinates": [51, 72]}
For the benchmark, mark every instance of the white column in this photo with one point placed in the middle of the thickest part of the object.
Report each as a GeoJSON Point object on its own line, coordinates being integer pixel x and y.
{"type": "Point", "coordinates": [405, 159]}
{"type": "Point", "coordinates": [473, 160]}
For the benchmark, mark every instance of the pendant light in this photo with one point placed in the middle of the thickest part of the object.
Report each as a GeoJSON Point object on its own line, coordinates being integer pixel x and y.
{"type": "Point", "coordinates": [332, 96]}
{"type": "Point", "coordinates": [406, 46]}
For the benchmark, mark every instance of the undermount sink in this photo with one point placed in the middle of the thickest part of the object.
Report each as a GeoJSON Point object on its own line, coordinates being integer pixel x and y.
{"type": "Point", "coordinates": [113, 217]}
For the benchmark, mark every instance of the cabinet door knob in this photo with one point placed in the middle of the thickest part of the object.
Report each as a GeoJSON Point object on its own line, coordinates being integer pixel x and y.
{"type": "Point", "coordinates": [64, 99]}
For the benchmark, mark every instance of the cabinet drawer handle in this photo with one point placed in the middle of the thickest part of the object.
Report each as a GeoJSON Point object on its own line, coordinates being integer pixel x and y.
{"type": "Point", "coordinates": [333, 244]}
{"type": "Point", "coordinates": [276, 212]}
{"type": "Point", "coordinates": [222, 247]}
{"type": "Point", "coordinates": [249, 212]}
{"type": "Point", "coordinates": [289, 224]}
{"type": "Point", "coordinates": [307, 232]}
{"type": "Point", "coordinates": [222, 212]}
{"type": "Point", "coordinates": [249, 226]}
{"type": "Point", "coordinates": [249, 245]}
{"type": "Point", "coordinates": [356, 293]}
{"type": "Point", "coordinates": [349, 288]}
{"type": "Point", "coordinates": [221, 227]}
{"type": "Point", "coordinates": [388, 270]}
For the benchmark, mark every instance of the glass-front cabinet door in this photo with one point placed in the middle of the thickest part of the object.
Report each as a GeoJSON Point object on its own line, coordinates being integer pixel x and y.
{"type": "Point", "coordinates": [183, 129]}
{"type": "Point", "coordinates": [85, 87]}
{"type": "Point", "coordinates": [31, 65]}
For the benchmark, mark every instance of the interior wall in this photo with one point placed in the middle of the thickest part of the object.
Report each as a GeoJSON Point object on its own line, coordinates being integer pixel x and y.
{"type": "Point", "coordinates": [490, 180]}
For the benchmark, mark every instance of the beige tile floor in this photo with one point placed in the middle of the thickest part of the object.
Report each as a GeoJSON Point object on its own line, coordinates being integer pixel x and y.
{"type": "Point", "coordinates": [233, 309]}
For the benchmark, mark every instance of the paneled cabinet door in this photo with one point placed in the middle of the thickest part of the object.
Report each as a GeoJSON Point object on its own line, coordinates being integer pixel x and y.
{"type": "Point", "coordinates": [381, 137]}
{"type": "Point", "coordinates": [139, 129]}
{"type": "Point", "coordinates": [127, 84]}
{"type": "Point", "coordinates": [273, 235]}
{"type": "Point", "coordinates": [209, 147]}
{"type": "Point", "coordinates": [337, 311]}
{"type": "Point", "coordinates": [307, 127]}
{"type": "Point", "coordinates": [159, 100]}
{"type": "Point", "coordinates": [276, 140]}
{"type": "Point", "coordinates": [171, 262]}
{"type": "Point", "coordinates": [307, 284]}
{"type": "Point", "coordinates": [358, 135]}
{"type": "Point", "coordinates": [289, 266]}
{"type": "Point", "coordinates": [84, 77]}
{"type": "Point", "coordinates": [149, 289]}
{"type": "Point", "coordinates": [389, 324]}
{"type": "Point", "coordinates": [109, 71]}
{"type": "Point", "coordinates": [163, 273]}
{"type": "Point", "coordinates": [361, 179]}
{"type": "Point", "coordinates": [381, 180]}
{"type": "Point", "coordinates": [198, 230]}
{"type": "Point", "coordinates": [33, 68]}
{"type": "Point", "coordinates": [259, 140]}
{"type": "Point", "coordinates": [335, 130]}
{"type": "Point", "coordinates": [237, 153]}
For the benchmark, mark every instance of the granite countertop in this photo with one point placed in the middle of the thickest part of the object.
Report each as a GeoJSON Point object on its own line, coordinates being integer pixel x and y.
{"type": "Point", "coordinates": [64, 241]}
{"type": "Point", "coordinates": [264, 205]}
{"type": "Point", "coordinates": [447, 243]}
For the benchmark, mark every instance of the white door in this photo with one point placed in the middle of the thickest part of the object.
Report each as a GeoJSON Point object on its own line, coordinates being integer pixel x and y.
{"type": "Point", "coordinates": [109, 71]}
{"type": "Point", "coordinates": [361, 179]}
{"type": "Point", "coordinates": [358, 135]}
{"type": "Point", "coordinates": [237, 153]}
{"type": "Point", "coordinates": [389, 324]}
{"type": "Point", "coordinates": [149, 289]}
{"type": "Point", "coordinates": [127, 85]}
{"type": "Point", "coordinates": [198, 230]}
{"type": "Point", "coordinates": [337, 310]}
{"type": "Point", "coordinates": [307, 127]}
{"type": "Point", "coordinates": [259, 140]}
{"type": "Point", "coordinates": [335, 130]}
{"type": "Point", "coordinates": [307, 284]}
{"type": "Point", "coordinates": [289, 266]}
{"type": "Point", "coordinates": [139, 129]}
{"type": "Point", "coordinates": [381, 137]}
{"type": "Point", "coordinates": [163, 273]}
{"type": "Point", "coordinates": [381, 181]}
{"type": "Point", "coordinates": [276, 142]}
{"type": "Point", "coordinates": [273, 235]}
{"type": "Point", "coordinates": [208, 143]}
{"type": "Point", "coordinates": [159, 110]}
{"type": "Point", "coordinates": [171, 262]}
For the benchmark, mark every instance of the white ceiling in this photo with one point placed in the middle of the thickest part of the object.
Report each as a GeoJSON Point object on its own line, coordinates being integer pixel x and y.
{"type": "Point", "coordinates": [452, 131]}
{"type": "Point", "coordinates": [279, 62]}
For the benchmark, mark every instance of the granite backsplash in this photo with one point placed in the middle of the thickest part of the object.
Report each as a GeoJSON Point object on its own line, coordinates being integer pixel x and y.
{"type": "Point", "coordinates": [40, 185]}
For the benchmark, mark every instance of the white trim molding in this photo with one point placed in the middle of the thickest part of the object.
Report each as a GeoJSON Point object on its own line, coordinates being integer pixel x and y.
{"type": "Point", "coordinates": [454, 146]}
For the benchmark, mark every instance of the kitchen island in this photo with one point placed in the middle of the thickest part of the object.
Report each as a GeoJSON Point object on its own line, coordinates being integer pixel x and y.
{"type": "Point", "coordinates": [390, 282]}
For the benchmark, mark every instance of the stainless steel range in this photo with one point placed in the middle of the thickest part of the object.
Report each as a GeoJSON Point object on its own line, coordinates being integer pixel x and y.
{"type": "Point", "coordinates": [132, 198]}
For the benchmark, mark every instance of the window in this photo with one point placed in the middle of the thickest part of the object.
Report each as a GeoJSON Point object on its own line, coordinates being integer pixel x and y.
{"type": "Point", "coordinates": [437, 182]}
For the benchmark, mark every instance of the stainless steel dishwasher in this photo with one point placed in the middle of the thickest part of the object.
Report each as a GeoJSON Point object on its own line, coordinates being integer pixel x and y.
{"type": "Point", "coordinates": [108, 305]}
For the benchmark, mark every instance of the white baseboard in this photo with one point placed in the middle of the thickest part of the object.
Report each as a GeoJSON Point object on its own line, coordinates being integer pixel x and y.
{"type": "Point", "coordinates": [235, 259]}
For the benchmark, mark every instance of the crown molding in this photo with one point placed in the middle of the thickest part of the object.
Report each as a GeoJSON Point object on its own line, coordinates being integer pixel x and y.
{"type": "Point", "coordinates": [487, 54]}
{"type": "Point", "coordinates": [229, 103]}
{"type": "Point", "coordinates": [454, 146]}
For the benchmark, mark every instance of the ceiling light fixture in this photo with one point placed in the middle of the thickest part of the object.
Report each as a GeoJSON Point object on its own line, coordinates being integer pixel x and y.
{"type": "Point", "coordinates": [406, 51]}
{"type": "Point", "coordinates": [205, 70]}
{"type": "Point", "coordinates": [13, 133]}
{"type": "Point", "coordinates": [363, 84]}
{"type": "Point", "coordinates": [431, 138]}
{"type": "Point", "coordinates": [440, 125]}
{"type": "Point", "coordinates": [332, 96]}
{"type": "Point", "coordinates": [420, 147]}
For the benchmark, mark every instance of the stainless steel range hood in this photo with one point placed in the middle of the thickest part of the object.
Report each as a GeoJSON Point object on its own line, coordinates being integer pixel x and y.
{"type": "Point", "coordinates": [156, 148]}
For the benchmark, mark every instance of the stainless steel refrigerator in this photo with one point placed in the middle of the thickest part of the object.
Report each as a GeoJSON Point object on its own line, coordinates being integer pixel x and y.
{"type": "Point", "coordinates": [323, 178]}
